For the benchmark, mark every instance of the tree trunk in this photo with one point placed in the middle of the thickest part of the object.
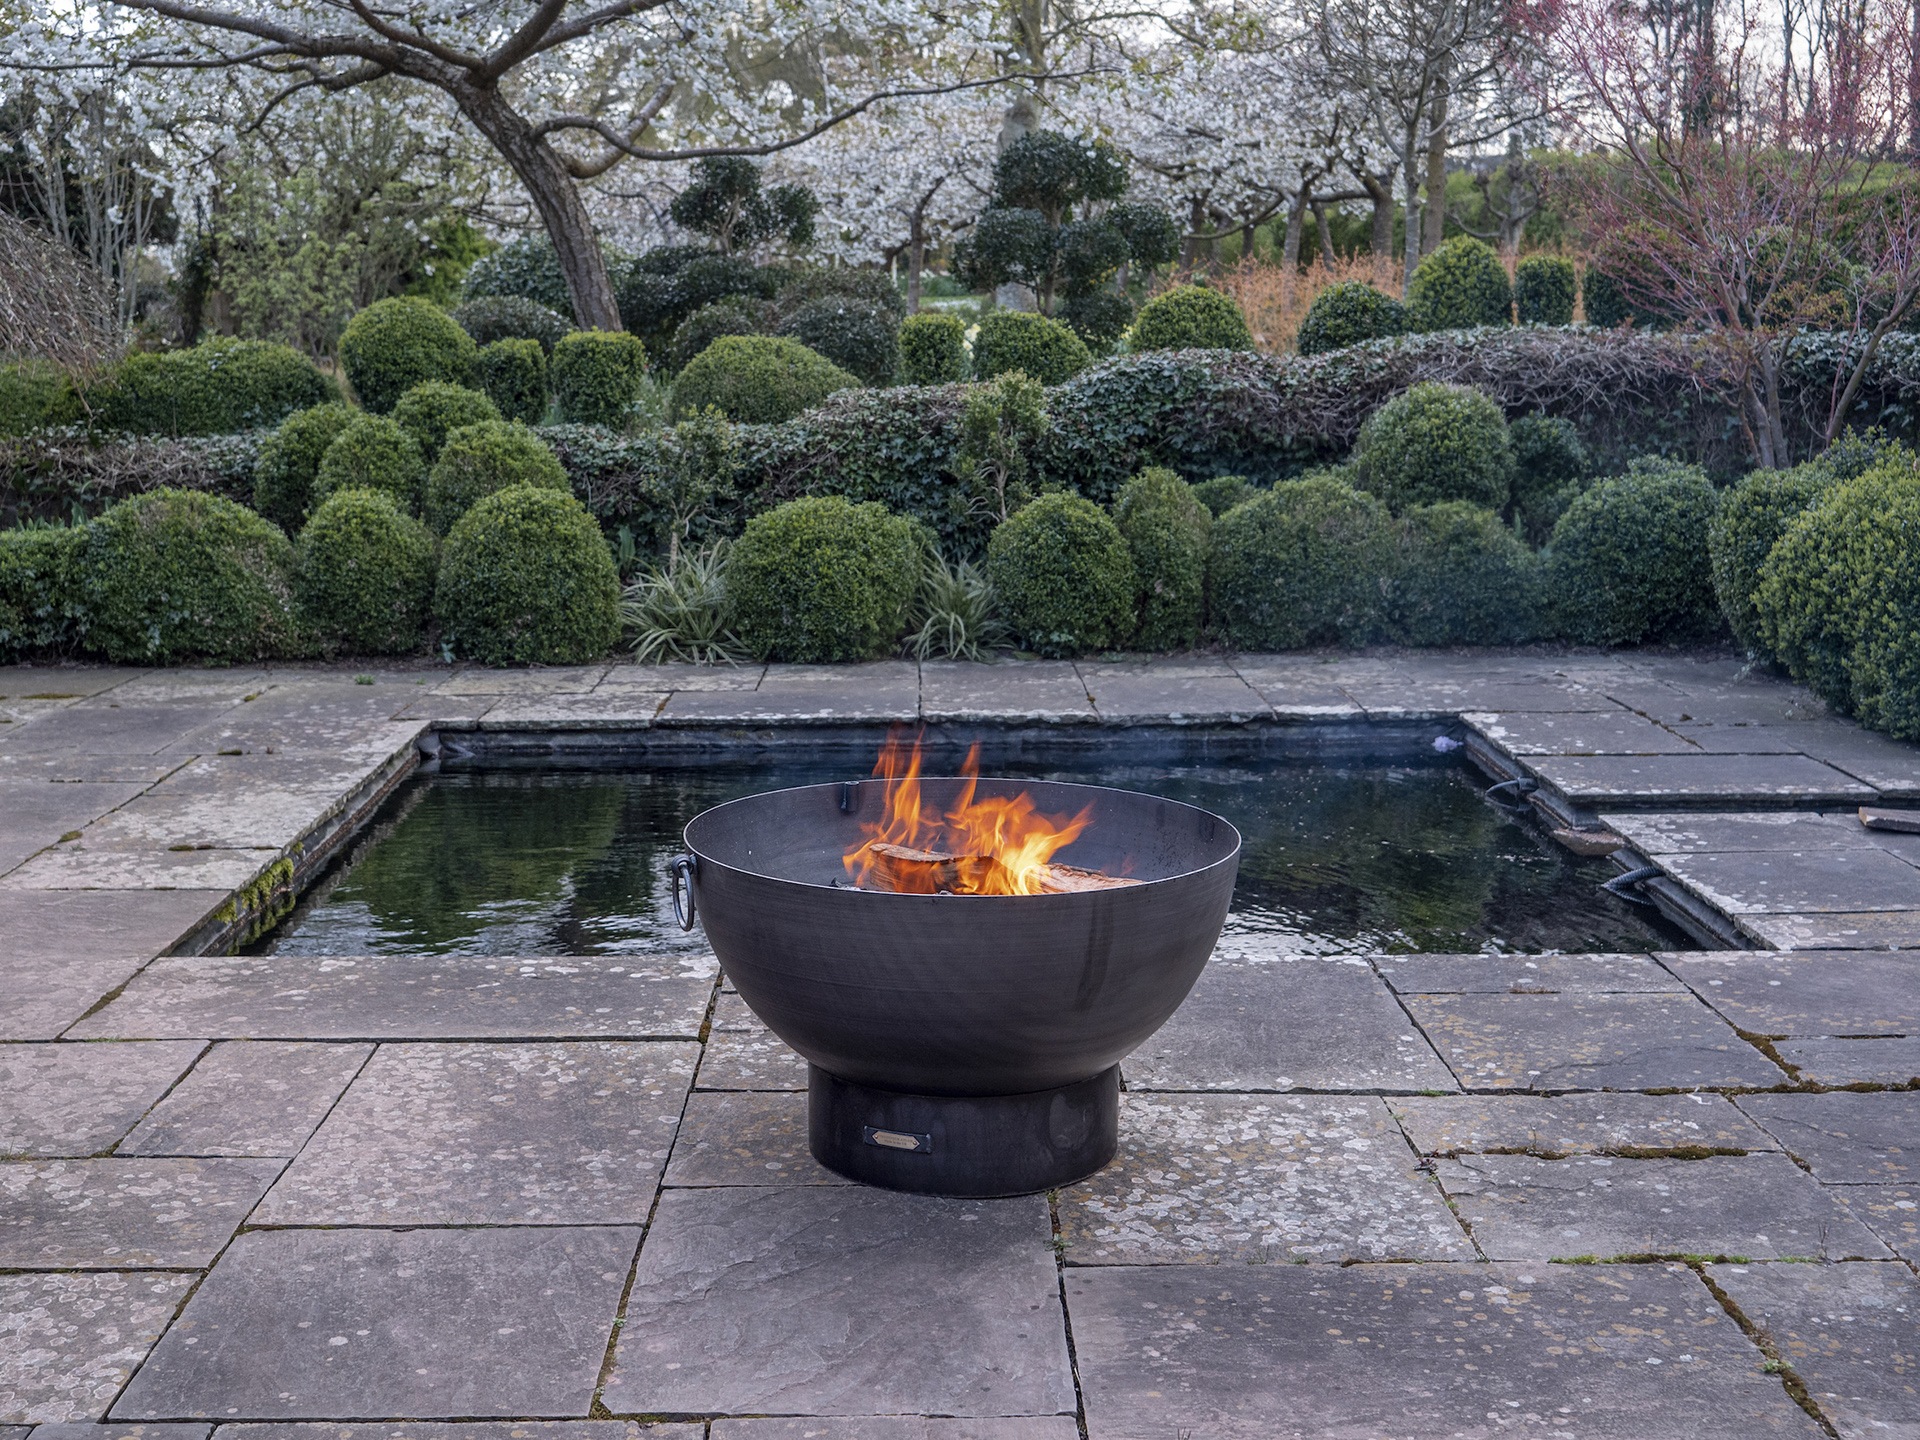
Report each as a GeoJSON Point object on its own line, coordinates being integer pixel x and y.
{"type": "Point", "coordinates": [556, 197]}
{"type": "Point", "coordinates": [1380, 239]}
{"type": "Point", "coordinates": [1290, 251]}
{"type": "Point", "coordinates": [1436, 217]}
{"type": "Point", "coordinates": [1326, 233]}
{"type": "Point", "coordinates": [1196, 222]}
{"type": "Point", "coordinates": [916, 257]}
{"type": "Point", "coordinates": [1247, 230]}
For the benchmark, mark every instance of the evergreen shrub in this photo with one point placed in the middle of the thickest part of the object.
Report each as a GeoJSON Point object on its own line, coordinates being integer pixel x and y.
{"type": "Point", "coordinates": [933, 349]}
{"type": "Point", "coordinates": [526, 579]}
{"type": "Point", "coordinates": [1347, 313]}
{"type": "Point", "coordinates": [597, 375]}
{"type": "Point", "coordinates": [38, 613]}
{"type": "Point", "coordinates": [1190, 317]}
{"type": "Point", "coordinates": [1064, 576]}
{"type": "Point", "coordinates": [478, 460]}
{"type": "Point", "coordinates": [493, 318]}
{"type": "Point", "coordinates": [363, 581]}
{"type": "Point", "coordinates": [1099, 317]}
{"type": "Point", "coordinates": [1308, 562]}
{"type": "Point", "coordinates": [371, 453]}
{"type": "Point", "coordinates": [861, 339]}
{"type": "Point", "coordinates": [289, 462]}
{"type": "Point", "coordinates": [1751, 518]}
{"type": "Point", "coordinates": [1463, 578]}
{"type": "Point", "coordinates": [732, 316]}
{"type": "Point", "coordinates": [757, 379]}
{"type": "Point", "coordinates": [1222, 492]}
{"type": "Point", "coordinates": [1550, 464]}
{"type": "Point", "coordinates": [1166, 528]}
{"type": "Point", "coordinates": [433, 409]}
{"type": "Point", "coordinates": [1460, 285]}
{"type": "Point", "coordinates": [1628, 562]}
{"type": "Point", "coordinates": [1544, 287]}
{"type": "Point", "coordinates": [822, 580]}
{"type": "Point", "coordinates": [1436, 442]}
{"type": "Point", "coordinates": [35, 394]}
{"type": "Point", "coordinates": [513, 374]}
{"type": "Point", "coordinates": [393, 345]}
{"type": "Point", "coordinates": [217, 387]}
{"type": "Point", "coordinates": [1043, 349]}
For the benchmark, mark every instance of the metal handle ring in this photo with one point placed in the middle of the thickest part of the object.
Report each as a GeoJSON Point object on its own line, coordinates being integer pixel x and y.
{"type": "Point", "coordinates": [682, 870]}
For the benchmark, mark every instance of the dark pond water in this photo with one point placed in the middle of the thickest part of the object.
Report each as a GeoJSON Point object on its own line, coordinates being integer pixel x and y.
{"type": "Point", "coordinates": [1339, 857]}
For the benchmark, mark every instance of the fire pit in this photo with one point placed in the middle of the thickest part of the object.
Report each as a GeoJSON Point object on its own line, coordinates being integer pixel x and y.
{"type": "Point", "coordinates": [962, 999]}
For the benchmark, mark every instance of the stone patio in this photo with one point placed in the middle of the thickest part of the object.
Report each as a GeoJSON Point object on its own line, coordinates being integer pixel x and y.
{"type": "Point", "coordinates": [483, 1198]}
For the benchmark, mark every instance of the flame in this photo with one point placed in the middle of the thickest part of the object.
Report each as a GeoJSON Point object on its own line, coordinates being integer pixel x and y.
{"type": "Point", "coordinates": [995, 846]}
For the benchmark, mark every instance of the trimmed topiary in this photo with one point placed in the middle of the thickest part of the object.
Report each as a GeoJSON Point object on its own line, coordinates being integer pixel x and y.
{"type": "Point", "coordinates": [1749, 522]}
{"type": "Point", "coordinates": [933, 349]}
{"type": "Point", "coordinates": [1550, 464]}
{"type": "Point", "coordinates": [757, 380]}
{"type": "Point", "coordinates": [1628, 561]}
{"type": "Point", "coordinates": [479, 459]}
{"type": "Point", "coordinates": [597, 375]}
{"type": "Point", "coordinates": [1309, 562]}
{"type": "Point", "coordinates": [732, 316]}
{"type": "Point", "coordinates": [1462, 284]}
{"type": "Point", "coordinates": [493, 318]}
{"type": "Point", "coordinates": [526, 579]}
{"type": "Point", "coordinates": [1043, 349]}
{"type": "Point", "coordinates": [289, 461]}
{"type": "Point", "coordinates": [1064, 576]}
{"type": "Point", "coordinates": [821, 580]}
{"type": "Point", "coordinates": [1544, 287]}
{"type": "Point", "coordinates": [1099, 317]}
{"type": "Point", "coordinates": [215, 388]}
{"type": "Point", "coordinates": [861, 339]}
{"type": "Point", "coordinates": [1347, 314]}
{"type": "Point", "coordinates": [38, 610]}
{"type": "Point", "coordinates": [364, 581]}
{"type": "Point", "coordinates": [1463, 578]}
{"type": "Point", "coordinates": [1436, 442]}
{"type": "Point", "coordinates": [1167, 530]}
{"type": "Point", "coordinates": [1222, 492]}
{"type": "Point", "coordinates": [800, 285]}
{"type": "Point", "coordinates": [1190, 317]}
{"type": "Point", "coordinates": [393, 345]}
{"type": "Point", "coordinates": [513, 373]}
{"type": "Point", "coordinates": [35, 394]}
{"type": "Point", "coordinates": [372, 453]}
{"type": "Point", "coordinates": [430, 411]}
{"type": "Point", "coordinates": [177, 575]}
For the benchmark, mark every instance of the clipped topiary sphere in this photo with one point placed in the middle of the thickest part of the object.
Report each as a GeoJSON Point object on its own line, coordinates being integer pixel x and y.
{"type": "Point", "coordinates": [1543, 290]}
{"type": "Point", "coordinates": [217, 387]}
{"type": "Point", "coordinates": [1064, 576]}
{"type": "Point", "coordinates": [1460, 285]}
{"type": "Point", "coordinates": [861, 339]}
{"type": "Point", "coordinates": [35, 394]}
{"type": "Point", "coordinates": [732, 316]}
{"type": "Point", "coordinates": [933, 349]}
{"type": "Point", "coordinates": [177, 575]}
{"type": "Point", "coordinates": [1463, 578]}
{"type": "Point", "coordinates": [431, 410]}
{"type": "Point", "coordinates": [1309, 562]}
{"type": "Point", "coordinates": [1190, 317]}
{"type": "Point", "coordinates": [493, 318]}
{"type": "Point", "coordinates": [372, 453]}
{"type": "Point", "coordinates": [597, 375]}
{"type": "Point", "coordinates": [479, 459]}
{"type": "Point", "coordinates": [364, 581]}
{"type": "Point", "coordinates": [1099, 317]}
{"type": "Point", "coordinates": [1436, 442]}
{"type": "Point", "coordinates": [756, 380]}
{"type": "Point", "coordinates": [1167, 530]}
{"type": "Point", "coordinates": [1221, 493]}
{"type": "Point", "coordinates": [39, 611]}
{"type": "Point", "coordinates": [526, 579]}
{"type": "Point", "coordinates": [513, 373]}
{"type": "Point", "coordinates": [1550, 465]}
{"type": "Point", "coordinates": [289, 461]}
{"type": "Point", "coordinates": [820, 580]}
{"type": "Point", "coordinates": [1043, 349]}
{"type": "Point", "coordinates": [1752, 517]}
{"type": "Point", "coordinates": [393, 345]}
{"type": "Point", "coordinates": [1628, 561]}
{"type": "Point", "coordinates": [1346, 314]}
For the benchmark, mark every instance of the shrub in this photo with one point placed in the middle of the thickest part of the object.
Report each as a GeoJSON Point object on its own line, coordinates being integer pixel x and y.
{"type": "Point", "coordinates": [513, 373]}
{"type": "Point", "coordinates": [35, 394]}
{"type": "Point", "coordinates": [493, 318]}
{"type": "Point", "coordinates": [756, 379]}
{"type": "Point", "coordinates": [529, 269]}
{"type": "Point", "coordinates": [1166, 529]}
{"type": "Point", "coordinates": [860, 339]}
{"type": "Point", "coordinates": [1346, 314]}
{"type": "Point", "coordinates": [1044, 349]}
{"type": "Point", "coordinates": [1308, 562]}
{"type": "Point", "coordinates": [1628, 561]}
{"type": "Point", "coordinates": [1460, 285]}
{"type": "Point", "coordinates": [1751, 518]}
{"type": "Point", "coordinates": [1543, 290]}
{"type": "Point", "coordinates": [478, 460]}
{"type": "Point", "coordinates": [430, 411]}
{"type": "Point", "coordinates": [290, 461]}
{"type": "Point", "coordinates": [38, 612]}
{"type": "Point", "coordinates": [876, 288]}
{"type": "Point", "coordinates": [732, 316]}
{"type": "Point", "coordinates": [1858, 451]}
{"type": "Point", "coordinates": [1099, 317]}
{"type": "Point", "coordinates": [216, 387]}
{"type": "Point", "coordinates": [1064, 576]}
{"type": "Point", "coordinates": [364, 580]}
{"type": "Point", "coordinates": [173, 575]}
{"type": "Point", "coordinates": [933, 349]}
{"type": "Point", "coordinates": [1550, 464]}
{"type": "Point", "coordinates": [1221, 493]}
{"type": "Point", "coordinates": [1463, 578]}
{"type": "Point", "coordinates": [597, 375]}
{"type": "Point", "coordinates": [821, 580]}
{"type": "Point", "coordinates": [526, 579]}
{"type": "Point", "coordinates": [392, 345]}
{"type": "Point", "coordinates": [678, 611]}
{"type": "Point", "coordinates": [372, 453]}
{"type": "Point", "coordinates": [1190, 317]}
{"type": "Point", "coordinates": [1436, 442]}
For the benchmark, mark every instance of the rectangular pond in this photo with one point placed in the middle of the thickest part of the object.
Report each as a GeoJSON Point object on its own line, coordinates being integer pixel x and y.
{"type": "Point", "coordinates": [1340, 856]}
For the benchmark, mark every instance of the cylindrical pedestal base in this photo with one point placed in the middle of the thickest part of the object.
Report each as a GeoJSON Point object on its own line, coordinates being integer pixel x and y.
{"type": "Point", "coordinates": [963, 1144]}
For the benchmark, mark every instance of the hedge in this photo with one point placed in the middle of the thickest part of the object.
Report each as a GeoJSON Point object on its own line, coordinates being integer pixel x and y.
{"type": "Point", "coordinates": [493, 318]}
{"type": "Point", "coordinates": [526, 579]}
{"type": "Point", "coordinates": [1166, 528]}
{"type": "Point", "coordinates": [933, 349]}
{"type": "Point", "coordinates": [216, 387]}
{"type": "Point", "coordinates": [39, 613]}
{"type": "Point", "coordinates": [1628, 562]}
{"type": "Point", "coordinates": [1543, 290]}
{"type": "Point", "coordinates": [822, 580]}
{"type": "Point", "coordinates": [393, 345]}
{"type": "Point", "coordinates": [479, 459]}
{"type": "Point", "coordinates": [363, 581]}
{"type": "Point", "coordinates": [1435, 443]}
{"type": "Point", "coordinates": [1044, 349]}
{"type": "Point", "coordinates": [757, 379]}
{"type": "Point", "coordinates": [1309, 562]}
{"type": "Point", "coordinates": [1749, 522]}
{"type": "Point", "coordinates": [35, 394]}
{"type": "Point", "coordinates": [597, 375]}
{"type": "Point", "coordinates": [1460, 285]}
{"type": "Point", "coordinates": [1221, 493]}
{"type": "Point", "coordinates": [1064, 576]}
{"type": "Point", "coordinates": [1190, 317]}
{"type": "Point", "coordinates": [433, 409]}
{"type": "Point", "coordinates": [1463, 578]}
{"type": "Point", "coordinates": [861, 339]}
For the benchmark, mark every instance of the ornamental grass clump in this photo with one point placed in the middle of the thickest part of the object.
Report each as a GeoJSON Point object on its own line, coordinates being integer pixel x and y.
{"type": "Point", "coordinates": [364, 577]}
{"type": "Point", "coordinates": [821, 580]}
{"type": "Point", "coordinates": [433, 409]}
{"type": "Point", "coordinates": [956, 615]}
{"type": "Point", "coordinates": [1167, 531]}
{"type": "Point", "coordinates": [678, 610]}
{"type": "Point", "coordinates": [1751, 518]}
{"type": "Point", "coordinates": [1043, 349]}
{"type": "Point", "coordinates": [479, 459]}
{"type": "Point", "coordinates": [289, 462]}
{"type": "Point", "coordinates": [1436, 442]}
{"type": "Point", "coordinates": [1460, 285]}
{"type": "Point", "coordinates": [526, 579]}
{"type": "Point", "coordinates": [1628, 562]}
{"type": "Point", "coordinates": [1462, 578]}
{"type": "Point", "coordinates": [597, 376]}
{"type": "Point", "coordinates": [1190, 317]}
{"type": "Point", "coordinates": [933, 349]}
{"type": "Point", "coordinates": [757, 380]}
{"type": "Point", "coordinates": [393, 345]}
{"type": "Point", "coordinates": [1064, 576]}
{"type": "Point", "coordinates": [1309, 562]}
{"type": "Point", "coordinates": [371, 453]}
{"type": "Point", "coordinates": [1347, 313]}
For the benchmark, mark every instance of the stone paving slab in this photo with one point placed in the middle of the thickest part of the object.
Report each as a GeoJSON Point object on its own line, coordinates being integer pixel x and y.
{"type": "Point", "coordinates": [391, 997]}
{"type": "Point", "coordinates": [1685, 832]}
{"type": "Point", "coordinates": [1891, 1211]}
{"type": "Point", "coordinates": [1886, 1060]}
{"type": "Point", "coordinates": [1525, 974]}
{"type": "Point", "coordinates": [1260, 1179]}
{"type": "Point", "coordinates": [963, 690]}
{"type": "Point", "coordinates": [622, 709]}
{"type": "Point", "coordinates": [546, 1134]}
{"type": "Point", "coordinates": [1287, 1023]}
{"type": "Point", "coordinates": [843, 1301]}
{"type": "Point", "coordinates": [1588, 1042]}
{"type": "Point", "coordinates": [884, 690]}
{"type": "Point", "coordinates": [68, 1342]}
{"type": "Point", "coordinates": [899, 1427]}
{"type": "Point", "coordinates": [749, 1060]}
{"type": "Point", "coordinates": [1575, 1124]}
{"type": "Point", "coordinates": [35, 812]}
{"type": "Point", "coordinates": [1731, 779]}
{"type": "Point", "coordinates": [1868, 993]}
{"type": "Point", "coordinates": [1762, 1207]}
{"type": "Point", "coordinates": [75, 1100]}
{"type": "Point", "coordinates": [110, 727]}
{"type": "Point", "coordinates": [745, 1139]}
{"type": "Point", "coordinates": [535, 680]}
{"type": "Point", "coordinates": [358, 1324]}
{"type": "Point", "coordinates": [1297, 691]}
{"type": "Point", "coordinates": [83, 865]}
{"type": "Point", "coordinates": [1850, 1332]}
{"type": "Point", "coordinates": [107, 1430]}
{"type": "Point", "coordinates": [1862, 930]}
{"type": "Point", "coordinates": [1798, 882]}
{"type": "Point", "coordinates": [124, 1214]}
{"type": "Point", "coordinates": [1171, 694]}
{"type": "Point", "coordinates": [332, 718]}
{"type": "Point", "coordinates": [1413, 698]}
{"type": "Point", "coordinates": [1890, 766]}
{"type": "Point", "coordinates": [466, 1430]}
{"type": "Point", "coordinates": [665, 679]}
{"type": "Point", "coordinates": [1313, 1353]}
{"type": "Point", "coordinates": [62, 950]}
{"type": "Point", "coordinates": [249, 1097]}
{"type": "Point", "coordinates": [1603, 732]}
{"type": "Point", "coordinates": [1846, 1138]}
{"type": "Point", "coordinates": [248, 817]}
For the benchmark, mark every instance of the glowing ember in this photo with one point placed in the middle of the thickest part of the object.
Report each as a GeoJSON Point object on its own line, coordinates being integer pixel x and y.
{"type": "Point", "coordinates": [982, 846]}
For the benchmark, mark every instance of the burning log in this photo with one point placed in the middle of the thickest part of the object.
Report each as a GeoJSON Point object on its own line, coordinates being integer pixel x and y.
{"type": "Point", "coordinates": [903, 870]}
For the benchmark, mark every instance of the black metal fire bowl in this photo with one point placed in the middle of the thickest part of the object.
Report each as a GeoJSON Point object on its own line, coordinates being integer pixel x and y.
{"type": "Point", "coordinates": [961, 1044]}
